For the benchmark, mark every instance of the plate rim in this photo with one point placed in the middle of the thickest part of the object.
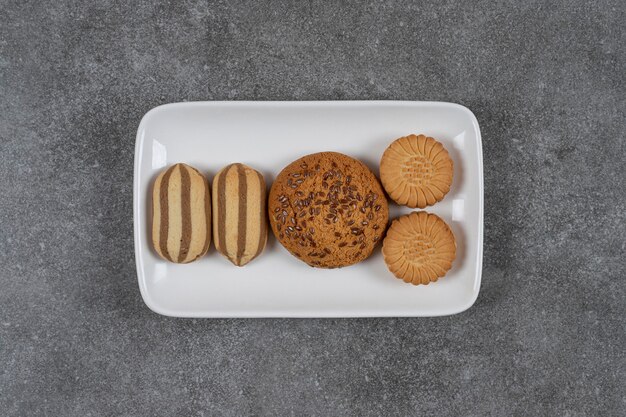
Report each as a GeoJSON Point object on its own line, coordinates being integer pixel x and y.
{"type": "Point", "coordinates": [139, 143]}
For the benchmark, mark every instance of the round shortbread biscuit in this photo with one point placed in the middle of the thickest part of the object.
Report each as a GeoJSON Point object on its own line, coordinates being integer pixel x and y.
{"type": "Point", "coordinates": [419, 248]}
{"type": "Point", "coordinates": [416, 171]}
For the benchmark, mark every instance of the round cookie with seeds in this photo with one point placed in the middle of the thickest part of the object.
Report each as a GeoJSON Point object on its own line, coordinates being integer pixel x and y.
{"type": "Point", "coordinates": [328, 210]}
{"type": "Point", "coordinates": [419, 248]}
{"type": "Point", "coordinates": [416, 171]}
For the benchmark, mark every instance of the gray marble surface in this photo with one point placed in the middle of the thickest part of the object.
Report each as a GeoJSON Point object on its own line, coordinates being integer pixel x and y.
{"type": "Point", "coordinates": [547, 84]}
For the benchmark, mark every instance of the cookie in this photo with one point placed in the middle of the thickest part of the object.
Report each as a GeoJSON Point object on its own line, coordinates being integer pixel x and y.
{"type": "Point", "coordinates": [239, 213]}
{"type": "Point", "coordinates": [419, 248]}
{"type": "Point", "coordinates": [416, 171]}
{"type": "Point", "coordinates": [181, 214]}
{"type": "Point", "coordinates": [328, 210]}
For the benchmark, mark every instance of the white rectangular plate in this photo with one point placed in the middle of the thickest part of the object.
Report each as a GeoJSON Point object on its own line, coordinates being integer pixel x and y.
{"type": "Point", "coordinates": [269, 135]}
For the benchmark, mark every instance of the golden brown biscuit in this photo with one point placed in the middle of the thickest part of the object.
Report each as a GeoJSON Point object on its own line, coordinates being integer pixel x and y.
{"type": "Point", "coordinates": [416, 171]}
{"type": "Point", "coordinates": [239, 216]}
{"type": "Point", "coordinates": [328, 210]}
{"type": "Point", "coordinates": [419, 248]}
{"type": "Point", "coordinates": [181, 214]}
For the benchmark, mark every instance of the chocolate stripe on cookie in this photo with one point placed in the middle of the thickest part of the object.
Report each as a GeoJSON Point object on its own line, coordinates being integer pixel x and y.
{"type": "Point", "coordinates": [200, 217]}
{"type": "Point", "coordinates": [185, 192]}
{"type": "Point", "coordinates": [175, 230]}
{"type": "Point", "coordinates": [163, 201]}
{"type": "Point", "coordinates": [256, 224]}
{"type": "Point", "coordinates": [156, 213]}
{"type": "Point", "coordinates": [242, 212]}
{"type": "Point", "coordinates": [262, 208]}
{"type": "Point", "coordinates": [220, 242]}
{"type": "Point", "coordinates": [232, 214]}
{"type": "Point", "coordinates": [207, 211]}
{"type": "Point", "coordinates": [200, 197]}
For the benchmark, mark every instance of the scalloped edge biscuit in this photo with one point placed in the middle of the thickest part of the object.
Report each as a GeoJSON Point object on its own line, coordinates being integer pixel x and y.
{"type": "Point", "coordinates": [419, 248]}
{"type": "Point", "coordinates": [416, 171]}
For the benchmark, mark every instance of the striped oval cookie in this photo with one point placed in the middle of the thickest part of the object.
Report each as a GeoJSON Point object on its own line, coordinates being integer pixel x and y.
{"type": "Point", "coordinates": [181, 214]}
{"type": "Point", "coordinates": [239, 219]}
